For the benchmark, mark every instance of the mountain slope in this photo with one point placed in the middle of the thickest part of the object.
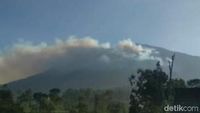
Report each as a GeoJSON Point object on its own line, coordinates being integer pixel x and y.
{"type": "Point", "coordinates": [107, 75]}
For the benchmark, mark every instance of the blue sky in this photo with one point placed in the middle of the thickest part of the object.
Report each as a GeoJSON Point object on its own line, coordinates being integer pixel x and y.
{"type": "Point", "coordinates": [172, 24]}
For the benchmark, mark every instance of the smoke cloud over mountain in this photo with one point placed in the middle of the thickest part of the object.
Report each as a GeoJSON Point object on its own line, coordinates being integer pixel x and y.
{"type": "Point", "coordinates": [24, 59]}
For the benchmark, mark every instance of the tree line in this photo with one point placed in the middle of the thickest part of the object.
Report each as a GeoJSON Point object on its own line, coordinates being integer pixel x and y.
{"type": "Point", "coordinates": [69, 101]}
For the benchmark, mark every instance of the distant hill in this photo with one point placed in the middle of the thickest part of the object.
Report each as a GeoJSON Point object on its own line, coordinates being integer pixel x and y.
{"type": "Point", "coordinates": [108, 75]}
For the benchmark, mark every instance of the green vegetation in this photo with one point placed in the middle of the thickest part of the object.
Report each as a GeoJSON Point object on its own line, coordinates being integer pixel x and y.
{"type": "Point", "coordinates": [151, 90]}
{"type": "Point", "coordinates": [70, 101]}
{"type": "Point", "coordinates": [148, 92]}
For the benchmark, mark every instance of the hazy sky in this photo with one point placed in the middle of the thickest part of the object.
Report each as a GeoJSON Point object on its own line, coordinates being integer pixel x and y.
{"type": "Point", "coordinates": [172, 24]}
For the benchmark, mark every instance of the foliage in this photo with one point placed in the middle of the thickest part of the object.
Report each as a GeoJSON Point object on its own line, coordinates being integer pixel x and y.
{"type": "Point", "coordinates": [152, 89]}
{"type": "Point", "coordinates": [7, 104]}
{"type": "Point", "coordinates": [70, 101]}
{"type": "Point", "coordinates": [178, 83]}
{"type": "Point", "coordinates": [148, 91]}
{"type": "Point", "coordinates": [194, 83]}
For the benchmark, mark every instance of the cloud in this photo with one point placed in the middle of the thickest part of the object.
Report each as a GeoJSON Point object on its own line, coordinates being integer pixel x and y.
{"type": "Point", "coordinates": [25, 59]}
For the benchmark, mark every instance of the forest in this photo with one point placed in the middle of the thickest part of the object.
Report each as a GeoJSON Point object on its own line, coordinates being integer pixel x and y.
{"type": "Point", "coordinates": [70, 101]}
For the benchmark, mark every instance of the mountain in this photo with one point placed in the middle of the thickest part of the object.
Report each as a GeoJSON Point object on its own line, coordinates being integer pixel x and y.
{"type": "Point", "coordinates": [105, 75]}
{"type": "Point", "coordinates": [185, 66]}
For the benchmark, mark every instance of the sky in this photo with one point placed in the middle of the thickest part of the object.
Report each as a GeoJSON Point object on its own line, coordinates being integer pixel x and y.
{"type": "Point", "coordinates": [172, 24]}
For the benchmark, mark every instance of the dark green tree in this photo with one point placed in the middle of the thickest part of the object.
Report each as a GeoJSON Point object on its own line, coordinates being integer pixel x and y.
{"type": "Point", "coordinates": [56, 102]}
{"type": "Point", "coordinates": [7, 104]}
{"type": "Point", "coordinates": [178, 83]}
{"type": "Point", "coordinates": [148, 92]}
{"type": "Point", "coordinates": [116, 107]}
{"type": "Point", "coordinates": [82, 105]}
{"type": "Point", "coordinates": [42, 101]}
{"type": "Point", "coordinates": [54, 94]}
{"type": "Point", "coordinates": [25, 100]}
{"type": "Point", "coordinates": [70, 100]}
{"type": "Point", "coordinates": [102, 101]}
{"type": "Point", "coordinates": [193, 83]}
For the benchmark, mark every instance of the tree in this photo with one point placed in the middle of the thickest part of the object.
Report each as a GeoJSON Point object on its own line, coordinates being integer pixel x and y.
{"type": "Point", "coordinates": [82, 105]}
{"type": "Point", "coordinates": [116, 107]}
{"type": "Point", "coordinates": [7, 104]}
{"type": "Point", "coordinates": [56, 103]}
{"type": "Point", "coordinates": [42, 101]}
{"type": "Point", "coordinates": [25, 100]}
{"type": "Point", "coordinates": [70, 100]}
{"type": "Point", "coordinates": [193, 83]}
{"type": "Point", "coordinates": [148, 91]}
{"type": "Point", "coordinates": [178, 83]}
{"type": "Point", "coordinates": [102, 101]}
{"type": "Point", "coordinates": [54, 92]}
{"type": "Point", "coordinates": [54, 95]}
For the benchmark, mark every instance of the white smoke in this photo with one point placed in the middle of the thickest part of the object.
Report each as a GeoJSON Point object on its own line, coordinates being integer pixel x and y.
{"type": "Point", "coordinates": [25, 59]}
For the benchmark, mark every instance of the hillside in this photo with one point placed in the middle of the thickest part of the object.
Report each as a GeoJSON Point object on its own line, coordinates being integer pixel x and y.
{"type": "Point", "coordinates": [104, 75]}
